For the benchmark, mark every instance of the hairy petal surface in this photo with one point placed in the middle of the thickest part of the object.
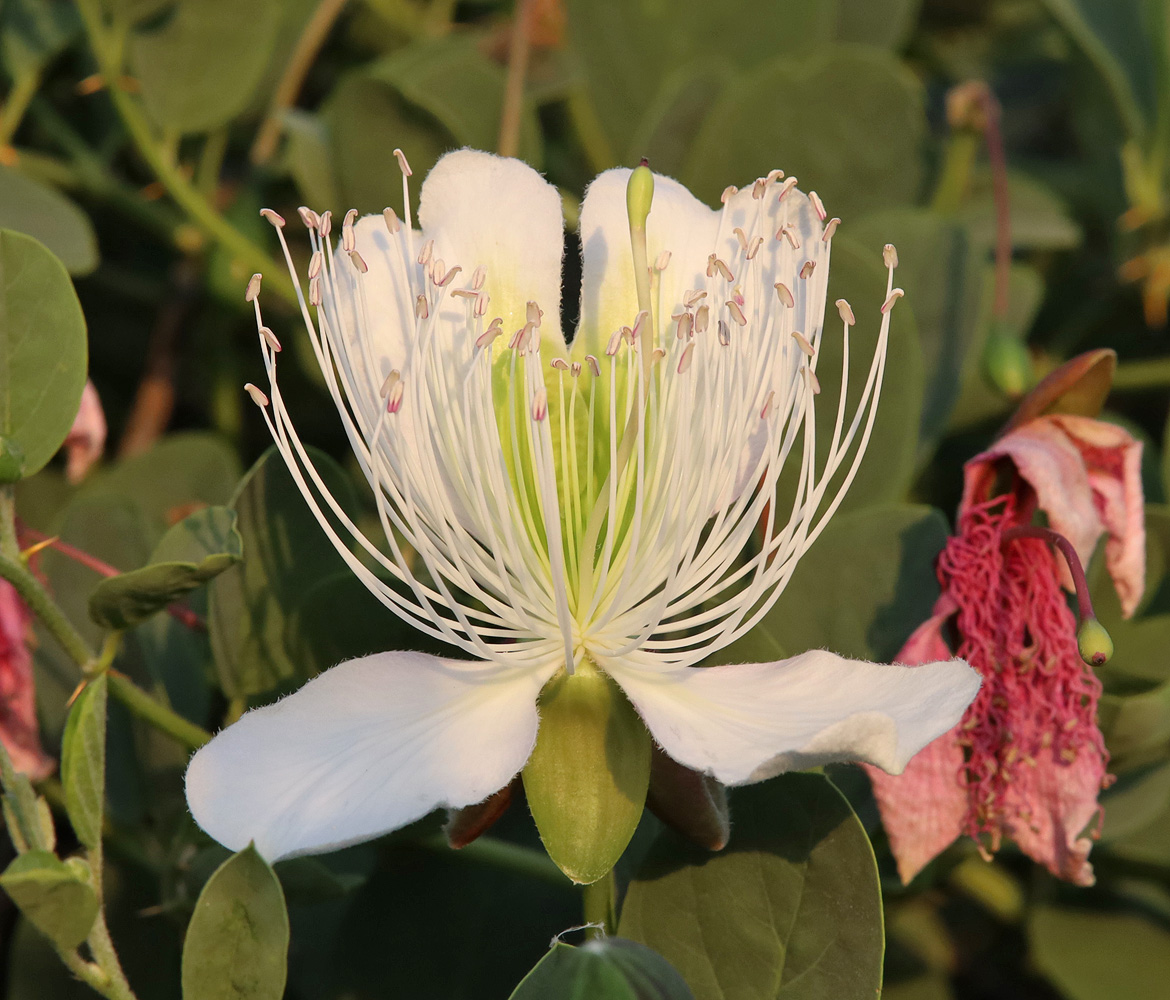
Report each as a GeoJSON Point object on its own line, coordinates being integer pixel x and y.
{"type": "Point", "coordinates": [366, 747]}
{"type": "Point", "coordinates": [747, 722]}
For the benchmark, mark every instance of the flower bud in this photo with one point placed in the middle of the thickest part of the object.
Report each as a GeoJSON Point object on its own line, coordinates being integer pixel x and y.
{"type": "Point", "coordinates": [1096, 648]}
{"type": "Point", "coordinates": [586, 780]}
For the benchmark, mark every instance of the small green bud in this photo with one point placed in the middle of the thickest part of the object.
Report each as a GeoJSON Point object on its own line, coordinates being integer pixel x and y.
{"type": "Point", "coordinates": [586, 780]}
{"type": "Point", "coordinates": [1007, 362]}
{"type": "Point", "coordinates": [11, 461]}
{"type": "Point", "coordinates": [1093, 641]}
{"type": "Point", "coordinates": [639, 195]}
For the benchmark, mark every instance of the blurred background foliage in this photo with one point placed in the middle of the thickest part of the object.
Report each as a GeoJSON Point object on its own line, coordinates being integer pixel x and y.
{"type": "Point", "coordinates": [139, 138]}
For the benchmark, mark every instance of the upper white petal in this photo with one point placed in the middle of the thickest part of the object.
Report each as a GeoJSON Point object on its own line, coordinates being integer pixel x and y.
{"type": "Point", "coordinates": [364, 748]}
{"type": "Point", "coordinates": [747, 722]}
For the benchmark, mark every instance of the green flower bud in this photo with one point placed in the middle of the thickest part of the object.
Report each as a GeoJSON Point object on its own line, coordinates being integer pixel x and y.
{"type": "Point", "coordinates": [11, 461]}
{"type": "Point", "coordinates": [1094, 643]}
{"type": "Point", "coordinates": [586, 780]}
{"type": "Point", "coordinates": [1007, 362]}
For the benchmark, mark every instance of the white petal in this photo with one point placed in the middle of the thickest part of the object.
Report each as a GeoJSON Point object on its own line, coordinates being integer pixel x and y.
{"type": "Point", "coordinates": [747, 722]}
{"type": "Point", "coordinates": [678, 222]}
{"type": "Point", "coordinates": [364, 748]}
{"type": "Point", "coordinates": [499, 213]}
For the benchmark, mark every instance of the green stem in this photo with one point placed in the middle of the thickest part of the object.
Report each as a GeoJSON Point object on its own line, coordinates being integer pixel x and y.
{"type": "Point", "coordinates": [12, 114]}
{"type": "Point", "coordinates": [162, 718]}
{"type": "Point", "coordinates": [46, 609]}
{"type": "Point", "coordinates": [500, 854]}
{"type": "Point", "coordinates": [954, 179]}
{"type": "Point", "coordinates": [185, 194]}
{"type": "Point", "coordinates": [9, 546]}
{"type": "Point", "coordinates": [599, 904]}
{"type": "Point", "coordinates": [1153, 373]}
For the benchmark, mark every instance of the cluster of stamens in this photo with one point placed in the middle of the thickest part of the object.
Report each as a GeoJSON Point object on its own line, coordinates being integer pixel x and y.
{"type": "Point", "coordinates": [541, 508]}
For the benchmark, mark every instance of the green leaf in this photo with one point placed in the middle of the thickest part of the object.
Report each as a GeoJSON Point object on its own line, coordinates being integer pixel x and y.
{"type": "Point", "coordinates": [83, 762]}
{"type": "Point", "coordinates": [210, 535]}
{"type": "Point", "coordinates": [309, 160]}
{"type": "Point", "coordinates": [790, 910]}
{"type": "Point", "coordinates": [199, 62]}
{"type": "Point", "coordinates": [602, 969]}
{"type": "Point", "coordinates": [39, 211]}
{"type": "Point", "coordinates": [32, 32]}
{"type": "Point", "coordinates": [43, 352]}
{"type": "Point", "coordinates": [1100, 955]}
{"type": "Point", "coordinates": [53, 895]}
{"type": "Point", "coordinates": [835, 104]}
{"type": "Point", "coordinates": [1115, 36]}
{"type": "Point", "coordinates": [860, 591]}
{"type": "Point", "coordinates": [943, 279]}
{"type": "Point", "coordinates": [1040, 220]}
{"type": "Point", "coordinates": [1135, 800]}
{"type": "Point", "coordinates": [181, 473]}
{"type": "Point", "coordinates": [628, 48]}
{"type": "Point", "coordinates": [424, 99]}
{"type": "Point", "coordinates": [286, 553]}
{"type": "Point", "coordinates": [237, 941]}
{"type": "Point", "coordinates": [887, 23]}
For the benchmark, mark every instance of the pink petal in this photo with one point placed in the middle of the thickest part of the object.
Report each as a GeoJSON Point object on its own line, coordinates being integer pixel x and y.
{"type": "Point", "coordinates": [18, 712]}
{"type": "Point", "coordinates": [923, 808]}
{"type": "Point", "coordinates": [87, 437]}
{"type": "Point", "coordinates": [1049, 806]}
{"type": "Point", "coordinates": [1113, 458]}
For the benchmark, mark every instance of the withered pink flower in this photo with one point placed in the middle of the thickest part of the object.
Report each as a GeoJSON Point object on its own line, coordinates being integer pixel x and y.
{"type": "Point", "coordinates": [87, 437]}
{"type": "Point", "coordinates": [18, 716]}
{"type": "Point", "coordinates": [1027, 761]}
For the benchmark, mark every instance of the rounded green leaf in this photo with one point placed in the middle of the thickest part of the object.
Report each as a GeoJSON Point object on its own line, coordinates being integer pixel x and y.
{"type": "Point", "coordinates": [850, 125]}
{"type": "Point", "coordinates": [43, 351]}
{"type": "Point", "coordinates": [603, 969]}
{"type": "Point", "coordinates": [199, 62]}
{"type": "Point", "coordinates": [1100, 955]}
{"type": "Point", "coordinates": [237, 941]}
{"type": "Point", "coordinates": [209, 536]}
{"type": "Point", "coordinates": [790, 910]}
{"type": "Point", "coordinates": [37, 210]}
{"type": "Point", "coordinates": [285, 554]}
{"type": "Point", "coordinates": [54, 896]}
{"type": "Point", "coordinates": [83, 762]}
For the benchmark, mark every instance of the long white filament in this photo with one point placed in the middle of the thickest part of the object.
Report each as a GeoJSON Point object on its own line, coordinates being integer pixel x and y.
{"type": "Point", "coordinates": [486, 474]}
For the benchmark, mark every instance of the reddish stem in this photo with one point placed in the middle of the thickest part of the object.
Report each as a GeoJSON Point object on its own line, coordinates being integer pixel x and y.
{"type": "Point", "coordinates": [1003, 222]}
{"type": "Point", "coordinates": [1057, 540]}
{"type": "Point", "coordinates": [181, 614]}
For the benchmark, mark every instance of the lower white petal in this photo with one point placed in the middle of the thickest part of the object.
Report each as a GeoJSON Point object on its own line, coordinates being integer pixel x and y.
{"type": "Point", "coordinates": [750, 721]}
{"type": "Point", "coordinates": [365, 748]}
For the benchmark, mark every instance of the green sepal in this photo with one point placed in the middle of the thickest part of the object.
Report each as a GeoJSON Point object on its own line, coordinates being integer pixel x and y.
{"type": "Point", "coordinates": [586, 781]}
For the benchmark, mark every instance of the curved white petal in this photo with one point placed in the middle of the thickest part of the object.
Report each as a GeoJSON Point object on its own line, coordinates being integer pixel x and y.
{"type": "Point", "coordinates": [498, 213]}
{"type": "Point", "coordinates": [747, 722]}
{"type": "Point", "coordinates": [678, 222]}
{"type": "Point", "coordinates": [364, 748]}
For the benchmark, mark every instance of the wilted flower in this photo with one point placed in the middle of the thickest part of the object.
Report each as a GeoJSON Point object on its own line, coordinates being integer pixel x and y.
{"type": "Point", "coordinates": [18, 711]}
{"type": "Point", "coordinates": [87, 437]}
{"type": "Point", "coordinates": [576, 516]}
{"type": "Point", "coordinates": [1027, 761]}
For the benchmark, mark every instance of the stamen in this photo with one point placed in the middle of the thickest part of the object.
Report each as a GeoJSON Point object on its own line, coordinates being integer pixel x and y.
{"type": "Point", "coordinates": [308, 217]}
{"type": "Point", "coordinates": [392, 380]}
{"type": "Point", "coordinates": [391, 219]}
{"type": "Point", "coordinates": [540, 404]}
{"type": "Point", "coordinates": [421, 309]}
{"type": "Point", "coordinates": [684, 361]}
{"type": "Point", "coordinates": [257, 394]}
{"type": "Point", "coordinates": [448, 277]}
{"type": "Point", "coordinates": [729, 192]}
{"type": "Point", "coordinates": [253, 288]}
{"type": "Point", "coordinates": [818, 205]}
{"type": "Point", "coordinates": [754, 247]}
{"type": "Point", "coordinates": [789, 233]}
{"type": "Point", "coordinates": [724, 334]}
{"type": "Point", "coordinates": [560, 364]}
{"type": "Point", "coordinates": [534, 313]}
{"type": "Point", "coordinates": [692, 297]}
{"type": "Point", "coordinates": [806, 268]}
{"type": "Point", "coordinates": [594, 366]}
{"type": "Point", "coordinates": [787, 186]}
{"type": "Point", "coordinates": [426, 253]}
{"type": "Point", "coordinates": [890, 255]}
{"type": "Point", "coordinates": [274, 217]}
{"type": "Point", "coordinates": [759, 188]}
{"type": "Point", "coordinates": [315, 263]}
{"type": "Point", "coordinates": [846, 312]}
{"type": "Point", "coordinates": [663, 261]}
{"type": "Point", "coordinates": [325, 225]}
{"type": "Point", "coordinates": [767, 410]}
{"type": "Point", "coordinates": [736, 312]}
{"type": "Point", "coordinates": [702, 318]}
{"type": "Point", "coordinates": [830, 229]}
{"type": "Point", "coordinates": [270, 339]}
{"type": "Point", "coordinates": [403, 165]}
{"type": "Point", "coordinates": [686, 324]}
{"type": "Point", "coordinates": [358, 261]}
{"type": "Point", "coordinates": [802, 343]}
{"type": "Point", "coordinates": [784, 294]}
{"type": "Point", "coordinates": [575, 369]}
{"type": "Point", "coordinates": [478, 276]}
{"type": "Point", "coordinates": [896, 294]}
